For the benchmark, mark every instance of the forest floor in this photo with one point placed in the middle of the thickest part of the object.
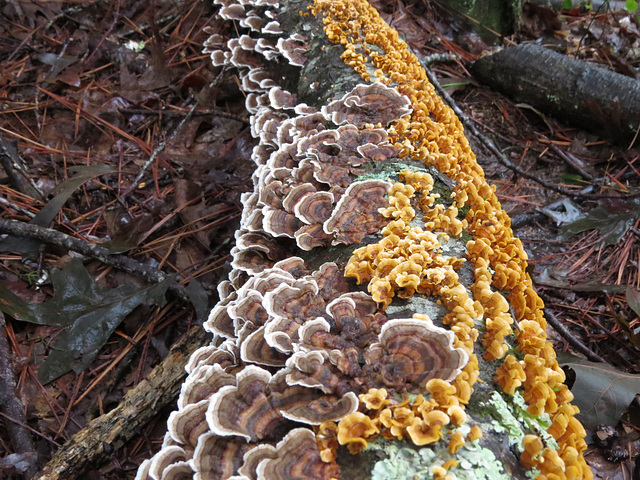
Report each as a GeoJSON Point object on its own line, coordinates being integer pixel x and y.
{"type": "Point", "coordinates": [116, 130]}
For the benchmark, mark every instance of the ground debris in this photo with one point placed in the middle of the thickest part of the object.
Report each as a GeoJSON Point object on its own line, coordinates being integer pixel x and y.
{"type": "Point", "coordinates": [117, 132]}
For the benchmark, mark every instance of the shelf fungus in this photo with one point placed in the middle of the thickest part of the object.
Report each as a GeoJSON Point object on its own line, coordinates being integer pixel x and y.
{"type": "Point", "coordinates": [377, 292]}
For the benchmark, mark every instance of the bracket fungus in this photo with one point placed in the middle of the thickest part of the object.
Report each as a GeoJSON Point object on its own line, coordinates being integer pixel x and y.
{"type": "Point", "coordinates": [415, 351]}
{"type": "Point", "coordinates": [368, 104]}
{"type": "Point", "coordinates": [303, 360]}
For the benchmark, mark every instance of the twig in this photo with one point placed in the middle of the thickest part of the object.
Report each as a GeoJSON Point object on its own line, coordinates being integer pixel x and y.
{"type": "Point", "coordinates": [17, 208]}
{"type": "Point", "coordinates": [570, 338]}
{"type": "Point", "coordinates": [573, 161]}
{"type": "Point", "coordinates": [31, 429]}
{"type": "Point", "coordinates": [500, 156]}
{"type": "Point", "coordinates": [159, 149]}
{"type": "Point", "coordinates": [47, 235]}
{"type": "Point", "coordinates": [439, 58]}
{"type": "Point", "coordinates": [11, 405]}
{"type": "Point", "coordinates": [178, 129]}
{"type": "Point", "coordinates": [212, 112]}
{"type": "Point", "coordinates": [90, 447]}
{"type": "Point", "coordinates": [116, 17]}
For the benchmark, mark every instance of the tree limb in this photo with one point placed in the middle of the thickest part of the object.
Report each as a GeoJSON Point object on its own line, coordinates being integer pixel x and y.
{"type": "Point", "coordinates": [112, 430]}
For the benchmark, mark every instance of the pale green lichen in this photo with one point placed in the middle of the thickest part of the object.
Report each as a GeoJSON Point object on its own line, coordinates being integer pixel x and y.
{"type": "Point", "coordinates": [478, 463]}
{"type": "Point", "coordinates": [512, 417]}
{"type": "Point", "coordinates": [404, 463]}
{"type": "Point", "coordinates": [504, 420]}
{"type": "Point", "coordinates": [389, 171]}
{"type": "Point", "coordinates": [537, 424]}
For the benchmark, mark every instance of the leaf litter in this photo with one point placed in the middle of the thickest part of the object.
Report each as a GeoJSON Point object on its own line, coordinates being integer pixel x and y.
{"type": "Point", "coordinates": [104, 84]}
{"type": "Point", "coordinates": [87, 312]}
{"type": "Point", "coordinates": [90, 93]}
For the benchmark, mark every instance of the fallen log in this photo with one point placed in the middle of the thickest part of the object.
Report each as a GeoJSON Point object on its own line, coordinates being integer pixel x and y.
{"type": "Point", "coordinates": [580, 93]}
{"type": "Point", "coordinates": [379, 321]}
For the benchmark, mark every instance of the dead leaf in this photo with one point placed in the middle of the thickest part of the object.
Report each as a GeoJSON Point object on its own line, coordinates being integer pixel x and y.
{"type": "Point", "coordinates": [88, 313]}
{"type": "Point", "coordinates": [61, 193]}
{"type": "Point", "coordinates": [612, 221]}
{"type": "Point", "coordinates": [633, 299]}
{"type": "Point", "coordinates": [601, 392]}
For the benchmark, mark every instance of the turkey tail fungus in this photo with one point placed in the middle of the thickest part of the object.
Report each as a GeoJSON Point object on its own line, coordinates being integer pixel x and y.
{"type": "Point", "coordinates": [379, 321]}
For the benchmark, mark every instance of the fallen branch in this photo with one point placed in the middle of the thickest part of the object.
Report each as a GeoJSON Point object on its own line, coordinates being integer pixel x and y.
{"type": "Point", "coordinates": [313, 362]}
{"type": "Point", "coordinates": [53, 237]}
{"type": "Point", "coordinates": [93, 444]}
{"type": "Point", "coordinates": [570, 338]}
{"type": "Point", "coordinates": [567, 88]}
{"type": "Point", "coordinates": [499, 155]}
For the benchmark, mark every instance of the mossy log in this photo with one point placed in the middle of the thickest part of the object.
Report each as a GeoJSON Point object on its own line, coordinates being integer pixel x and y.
{"type": "Point", "coordinates": [578, 92]}
{"type": "Point", "coordinates": [379, 321]}
{"type": "Point", "coordinates": [373, 260]}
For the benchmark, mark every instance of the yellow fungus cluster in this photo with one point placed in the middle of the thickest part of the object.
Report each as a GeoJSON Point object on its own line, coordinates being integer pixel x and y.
{"type": "Point", "coordinates": [419, 420]}
{"type": "Point", "coordinates": [408, 259]}
{"type": "Point", "coordinates": [552, 464]}
{"type": "Point", "coordinates": [440, 473]}
{"type": "Point", "coordinates": [434, 135]}
{"type": "Point", "coordinates": [510, 375]}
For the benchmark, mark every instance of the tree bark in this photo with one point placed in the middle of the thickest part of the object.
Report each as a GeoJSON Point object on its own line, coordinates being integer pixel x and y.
{"type": "Point", "coordinates": [590, 96]}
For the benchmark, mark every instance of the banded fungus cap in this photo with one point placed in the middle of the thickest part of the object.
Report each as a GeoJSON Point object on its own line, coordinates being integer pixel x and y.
{"type": "Point", "coordinates": [298, 457]}
{"type": "Point", "coordinates": [416, 351]}
{"type": "Point", "coordinates": [368, 104]}
{"type": "Point", "coordinates": [244, 410]}
{"type": "Point", "coordinates": [167, 457]}
{"type": "Point", "coordinates": [356, 213]}
{"type": "Point", "coordinates": [218, 457]}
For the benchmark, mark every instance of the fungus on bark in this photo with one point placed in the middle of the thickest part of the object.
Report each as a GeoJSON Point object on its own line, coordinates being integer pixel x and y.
{"type": "Point", "coordinates": [297, 457]}
{"type": "Point", "coordinates": [412, 352]}
{"type": "Point", "coordinates": [321, 343]}
{"type": "Point", "coordinates": [368, 104]}
{"type": "Point", "coordinates": [244, 410]}
{"type": "Point", "coordinates": [356, 213]}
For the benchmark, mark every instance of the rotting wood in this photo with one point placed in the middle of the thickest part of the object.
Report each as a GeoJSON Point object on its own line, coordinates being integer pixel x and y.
{"type": "Point", "coordinates": [585, 94]}
{"type": "Point", "coordinates": [93, 445]}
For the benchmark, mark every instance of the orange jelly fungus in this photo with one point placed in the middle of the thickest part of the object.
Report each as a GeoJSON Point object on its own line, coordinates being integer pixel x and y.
{"type": "Point", "coordinates": [456, 441]}
{"type": "Point", "coordinates": [375, 398]}
{"type": "Point", "coordinates": [449, 464]}
{"type": "Point", "coordinates": [532, 445]}
{"type": "Point", "coordinates": [474, 434]}
{"type": "Point", "coordinates": [354, 430]}
{"type": "Point", "coordinates": [408, 259]}
{"type": "Point", "coordinates": [327, 440]}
